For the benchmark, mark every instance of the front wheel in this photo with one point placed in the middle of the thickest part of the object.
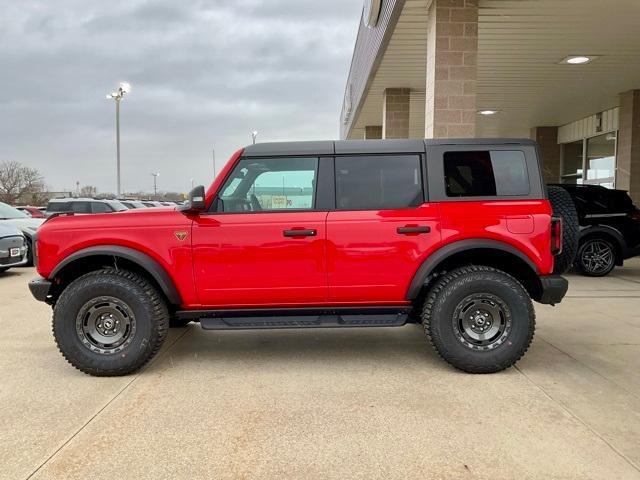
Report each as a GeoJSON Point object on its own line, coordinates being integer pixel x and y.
{"type": "Point", "coordinates": [479, 319]}
{"type": "Point", "coordinates": [596, 257]}
{"type": "Point", "coordinates": [110, 322]}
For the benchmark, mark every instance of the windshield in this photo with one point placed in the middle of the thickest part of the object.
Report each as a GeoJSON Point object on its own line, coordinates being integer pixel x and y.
{"type": "Point", "coordinates": [117, 206]}
{"type": "Point", "coordinates": [9, 212]}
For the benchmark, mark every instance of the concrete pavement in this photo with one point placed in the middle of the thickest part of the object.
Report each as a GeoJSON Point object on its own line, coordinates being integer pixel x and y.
{"type": "Point", "coordinates": [324, 404]}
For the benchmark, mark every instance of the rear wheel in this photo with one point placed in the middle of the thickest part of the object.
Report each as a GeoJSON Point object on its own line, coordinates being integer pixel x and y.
{"type": "Point", "coordinates": [596, 257]}
{"type": "Point", "coordinates": [563, 207]}
{"type": "Point", "coordinates": [110, 322]}
{"type": "Point", "coordinates": [479, 319]}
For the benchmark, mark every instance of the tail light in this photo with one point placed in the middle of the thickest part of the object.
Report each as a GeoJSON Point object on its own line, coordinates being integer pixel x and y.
{"type": "Point", "coordinates": [556, 235]}
{"type": "Point", "coordinates": [635, 215]}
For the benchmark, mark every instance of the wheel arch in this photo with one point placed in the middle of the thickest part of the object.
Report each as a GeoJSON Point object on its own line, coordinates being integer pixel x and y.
{"type": "Point", "coordinates": [92, 258]}
{"type": "Point", "coordinates": [492, 253]}
{"type": "Point", "coordinates": [605, 231]}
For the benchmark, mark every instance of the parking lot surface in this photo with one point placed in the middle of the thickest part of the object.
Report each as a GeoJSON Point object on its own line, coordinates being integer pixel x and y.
{"type": "Point", "coordinates": [324, 404]}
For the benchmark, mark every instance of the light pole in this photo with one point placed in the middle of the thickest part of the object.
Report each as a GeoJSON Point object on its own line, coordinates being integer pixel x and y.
{"type": "Point", "coordinates": [155, 184]}
{"type": "Point", "coordinates": [254, 134]}
{"type": "Point", "coordinates": [123, 89]}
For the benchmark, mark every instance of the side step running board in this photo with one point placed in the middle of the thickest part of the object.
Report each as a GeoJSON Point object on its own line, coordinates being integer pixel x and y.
{"type": "Point", "coordinates": [298, 318]}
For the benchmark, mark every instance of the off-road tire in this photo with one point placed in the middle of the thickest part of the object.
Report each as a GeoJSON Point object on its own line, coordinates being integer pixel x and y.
{"type": "Point", "coordinates": [563, 207]}
{"type": "Point", "coordinates": [584, 269]}
{"type": "Point", "coordinates": [454, 287]}
{"type": "Point", "coordinates": [147, 307]}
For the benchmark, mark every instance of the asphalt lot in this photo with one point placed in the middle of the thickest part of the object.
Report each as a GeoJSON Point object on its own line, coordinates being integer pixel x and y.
{"type": "Point", "coordinates": [324, 404]}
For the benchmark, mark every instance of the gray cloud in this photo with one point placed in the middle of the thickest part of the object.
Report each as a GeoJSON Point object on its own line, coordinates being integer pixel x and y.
{"type": "Point", "coordinates": [204, 73]}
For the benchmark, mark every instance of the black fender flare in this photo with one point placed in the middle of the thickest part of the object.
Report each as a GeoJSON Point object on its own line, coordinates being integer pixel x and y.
{"type": "Point", "coordinates": [157, 272]}
{"type": "Point", "coordinates": [422, 274]}
{"type": "Point", "coordinates": [612, 232]}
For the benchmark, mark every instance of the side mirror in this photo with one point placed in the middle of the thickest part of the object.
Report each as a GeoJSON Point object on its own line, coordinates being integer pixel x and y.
{"type": "Point", "coordinates": [196, 201]}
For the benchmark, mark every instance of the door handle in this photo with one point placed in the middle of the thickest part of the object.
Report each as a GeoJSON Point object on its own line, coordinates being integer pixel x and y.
{"type": "Point", "coordinates": [312, 232]}
{"type": "Point", "coordinates": [417, 229]}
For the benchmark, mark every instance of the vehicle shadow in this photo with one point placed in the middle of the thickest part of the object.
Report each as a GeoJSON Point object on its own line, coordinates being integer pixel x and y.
{"type": "Point", "coordinates": [396, 345]}
{"type": "Point", "coordinates": [9, 273]}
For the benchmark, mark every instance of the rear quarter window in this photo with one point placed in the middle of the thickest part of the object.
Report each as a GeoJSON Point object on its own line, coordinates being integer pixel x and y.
{"type": "Point", "coordinates": [485, 173]}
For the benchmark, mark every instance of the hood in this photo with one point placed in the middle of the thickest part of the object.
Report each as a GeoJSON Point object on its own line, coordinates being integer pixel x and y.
{"type": "Point", "coordinates": [7, 230]}
{"type": "Point", "coordinates": [27, 225]}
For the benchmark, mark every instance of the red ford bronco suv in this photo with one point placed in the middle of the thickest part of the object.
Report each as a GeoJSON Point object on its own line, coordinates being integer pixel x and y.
{"type": "Point", "coordinates": [458, 235]}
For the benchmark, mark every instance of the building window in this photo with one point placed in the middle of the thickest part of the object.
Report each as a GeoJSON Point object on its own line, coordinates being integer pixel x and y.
{"type": "Point", "coordinates": [572, 159]}
{"type": "Point", "coordinates": [601, 160]}
{"type": "Point", "coordinates": [590, 161]}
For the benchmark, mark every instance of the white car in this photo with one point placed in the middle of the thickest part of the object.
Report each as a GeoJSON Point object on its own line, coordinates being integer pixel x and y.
{"type": "Point", "coordinates": [26, 224]}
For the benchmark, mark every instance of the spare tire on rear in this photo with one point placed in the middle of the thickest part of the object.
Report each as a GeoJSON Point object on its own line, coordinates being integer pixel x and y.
{"type": "Point", "coordinates": [563, 207]}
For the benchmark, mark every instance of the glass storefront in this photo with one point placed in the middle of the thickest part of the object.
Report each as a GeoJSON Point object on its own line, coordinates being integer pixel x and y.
{"type": "Point", "coordinates": [601, 160]}
{"type": "Point", "coordinates": [572, 158]}
{"type": "Point", "coordinates": [590, 161]}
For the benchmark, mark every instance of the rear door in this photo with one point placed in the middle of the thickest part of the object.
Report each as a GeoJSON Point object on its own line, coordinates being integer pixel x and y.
{"type": "Point", "coordinates": [381, 229]}
{"type": "Point", "coordinates": [264, 245]}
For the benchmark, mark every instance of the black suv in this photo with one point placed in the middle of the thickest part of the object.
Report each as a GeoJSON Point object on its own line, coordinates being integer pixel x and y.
{"type": "Point", "coordinates": [609, 228]}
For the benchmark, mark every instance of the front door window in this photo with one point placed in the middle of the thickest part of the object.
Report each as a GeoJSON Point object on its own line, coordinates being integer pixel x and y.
{"type": "Point", "coordinates": [273, 184]}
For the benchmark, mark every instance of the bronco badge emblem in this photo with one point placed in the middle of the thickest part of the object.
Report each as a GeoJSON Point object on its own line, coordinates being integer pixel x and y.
{"type": "Point", "coordinates": [180, 235]}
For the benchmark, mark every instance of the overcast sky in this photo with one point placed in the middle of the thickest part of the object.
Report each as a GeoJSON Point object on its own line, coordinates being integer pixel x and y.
{"type": "Point", "coordinates": [204, 74]}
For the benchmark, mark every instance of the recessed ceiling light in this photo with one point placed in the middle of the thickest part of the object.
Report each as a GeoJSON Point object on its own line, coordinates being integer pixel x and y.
{"type": "Point", "coordinates": [487, 112]}
{"type": "Point", "coordinates": [578, 59]}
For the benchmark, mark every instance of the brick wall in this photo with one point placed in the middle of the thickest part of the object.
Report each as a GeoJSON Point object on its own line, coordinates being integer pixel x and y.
{"type": "Point", "coordinates": [452, 51]}
{"type": "Point", "coordinates": [547, 138]}
{"type": "Point", "coordinates": [628, 161]}
{"type": "Point", "coordinates": [395, 115]}
{"type": "Point", "coordinates": [372, 132]}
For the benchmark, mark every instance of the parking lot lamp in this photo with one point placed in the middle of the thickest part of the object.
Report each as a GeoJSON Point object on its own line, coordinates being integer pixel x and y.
{"type": "Point", "coordinates": [123, 89]}
{"type": "Point", "coordinates": [155, 184]}
{"type": "Point", "coordinates": [254, 134]}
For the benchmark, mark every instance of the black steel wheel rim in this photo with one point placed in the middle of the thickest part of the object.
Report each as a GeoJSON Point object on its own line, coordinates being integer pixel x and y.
{"type": "Point", "coordinates": [482, 321]}
{"type": "Point", "coordinates": [597, 257]}
{"type": "Point", "coordinates": [105, 325]}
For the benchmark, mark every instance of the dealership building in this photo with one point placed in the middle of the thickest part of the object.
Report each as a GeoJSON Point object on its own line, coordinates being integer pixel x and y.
{"type": "Point", "coordinates": [563, 72]}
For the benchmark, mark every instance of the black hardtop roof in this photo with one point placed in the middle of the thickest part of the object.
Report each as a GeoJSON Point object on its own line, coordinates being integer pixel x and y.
{"type": "Point", "coordinates": [330, 147]}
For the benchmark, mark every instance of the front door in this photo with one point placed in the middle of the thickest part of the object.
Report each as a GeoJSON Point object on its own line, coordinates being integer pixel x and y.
{"type": "Point", "coordinates": [264, 245]}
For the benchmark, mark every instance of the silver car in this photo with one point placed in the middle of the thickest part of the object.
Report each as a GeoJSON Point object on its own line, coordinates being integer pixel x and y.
{"type": "Point", "coordinates": [23, 222]}
{"type": "Point", "coordinates": [13, 247]}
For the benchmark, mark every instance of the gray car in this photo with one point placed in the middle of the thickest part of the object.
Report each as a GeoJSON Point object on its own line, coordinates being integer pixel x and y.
{"type": "Point", "coordinates": [13, 247]}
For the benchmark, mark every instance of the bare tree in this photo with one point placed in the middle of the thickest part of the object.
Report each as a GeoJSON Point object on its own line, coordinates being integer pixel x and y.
{"type": "Point", "coordinates": [17, 181]}
{"type": "Point", "coordinates": [88, 191]}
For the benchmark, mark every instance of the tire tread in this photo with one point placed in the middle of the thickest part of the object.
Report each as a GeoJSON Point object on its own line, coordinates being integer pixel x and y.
{"type": "Point", "coordinates": [462, 362]}
{"type": "Point", "coordinates": [149, 294]}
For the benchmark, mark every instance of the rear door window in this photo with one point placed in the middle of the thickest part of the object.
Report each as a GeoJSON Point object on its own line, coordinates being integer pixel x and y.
{"type": "Point", "coordinates": [99, 207]}
{"type": "Point", "coordinates": [383, 182]}
{"type": "Point", "coordinates": [80, 207]}
{"type": "Point", "coordinates": [485, 173]}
